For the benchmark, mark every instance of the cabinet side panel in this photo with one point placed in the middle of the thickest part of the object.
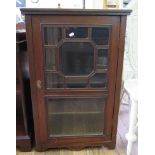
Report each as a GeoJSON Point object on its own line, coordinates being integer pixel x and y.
{"type": "Point", "coordinates": [119, 75]}
{"type": "Point", "coordinates": [112, 73]}
{"type": "Point", "coordinates": [29, 37]}
{"type": "Point", "coordinates": [20, 97]}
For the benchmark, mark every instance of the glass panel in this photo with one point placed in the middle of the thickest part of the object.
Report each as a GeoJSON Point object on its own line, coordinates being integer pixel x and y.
{"type": "Point", "coordinates": [54, 80]}
{"type": "Point", "coordinates": [76, 116]}
{"type": "Point", "coordinates": [52, 35]}
{"type": "Point", "coordinates": [76, 58]}
{"type": "Point", "coordinates": [100, 35]}
{"type": "Point", "coordinates": [76, 83]}
{"type": "Point", "coordinates": [99, 80]}
{"type": "Point", "coordinates": [76, 32]}
{"type": "Point", "coordinates": [50, 58]}
{"type": "Point", "coordinates": [102, 58]}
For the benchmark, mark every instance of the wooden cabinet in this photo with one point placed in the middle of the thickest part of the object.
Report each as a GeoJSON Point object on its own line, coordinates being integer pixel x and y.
{"type": "Point", "coordinates": [76, 59]}
{"type": "Point", "coordinates": [24, 121]}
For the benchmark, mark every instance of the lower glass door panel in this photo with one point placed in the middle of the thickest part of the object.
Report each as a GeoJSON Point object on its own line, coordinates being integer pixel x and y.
{"type": "Point", "coordinates": [75, 116]}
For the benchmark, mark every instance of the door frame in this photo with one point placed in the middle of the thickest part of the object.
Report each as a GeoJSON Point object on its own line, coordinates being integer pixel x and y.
{"type": "Point", "coordinates": [36, 65]}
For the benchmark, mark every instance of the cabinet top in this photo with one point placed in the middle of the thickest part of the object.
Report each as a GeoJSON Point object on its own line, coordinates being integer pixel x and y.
{"type": "Point", "coordinates": [79, 12]}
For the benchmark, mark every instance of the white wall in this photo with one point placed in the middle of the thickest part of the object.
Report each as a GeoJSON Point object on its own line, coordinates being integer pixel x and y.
{"type": "Point", "coordinates": [131, 49]}
{"type": "Point", "coordinates": [66, 4]}
{"type": "Point", "coordinates": [54, 3]}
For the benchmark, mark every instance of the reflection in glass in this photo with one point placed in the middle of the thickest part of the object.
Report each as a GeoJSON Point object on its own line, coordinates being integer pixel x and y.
{"type": "Point", "coordinates": [76, 116]}
{"type": "Point", "coordinates": [54, 80]}
{"type": "Point", "coordinates": [76, 58]}
{"type": "Point", "coordinates": [52, 35]}
{"type": "Point", "coordinates": [76, 32]}
{"type": "Point", "coordinates": [50, 58]}
{"type": "Point", "coordinates": [100, 35]}
{"type": "Point", "coordinates": [99, 80]}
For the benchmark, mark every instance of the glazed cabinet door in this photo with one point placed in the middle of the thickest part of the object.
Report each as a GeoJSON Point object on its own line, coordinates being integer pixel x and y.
{"type": "Point", "coordinates": [75, 62]}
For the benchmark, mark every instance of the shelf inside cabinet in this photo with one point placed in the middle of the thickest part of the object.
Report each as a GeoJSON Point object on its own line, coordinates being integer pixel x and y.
{"type": "Point", "coordinates": [76, 105]}
{"type": "Point", "coordinates": [75, 125]}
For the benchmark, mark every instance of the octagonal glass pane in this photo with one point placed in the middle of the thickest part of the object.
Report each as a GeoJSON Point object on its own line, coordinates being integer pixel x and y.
{"type": "Point", "coordinates": [76, 58]}
{"type": "Point", "coordinates": [76, 32]}
{"type": "Point", "coordinates": [99, 80]}
{"type": "Point", "coordinates": [52, 35]}
{"type": "Point", "coordinates": [54, 80]}
{"type": "Point", "coordinates": [100, 35]}
{"type": "Point", "coordinates": [50, 58]}
{"type": "Point", "coordinates": [102, 58]}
